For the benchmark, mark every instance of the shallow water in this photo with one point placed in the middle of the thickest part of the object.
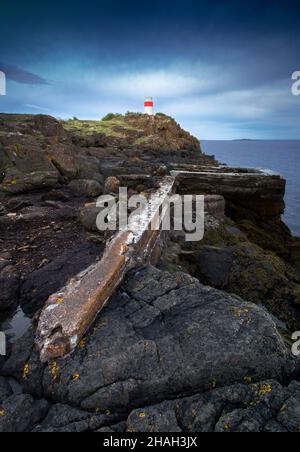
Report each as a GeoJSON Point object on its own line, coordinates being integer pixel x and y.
{"type": "Point", "coordinates": [280, 156]}
{"type": "Point", "coordinates": [16, 326]}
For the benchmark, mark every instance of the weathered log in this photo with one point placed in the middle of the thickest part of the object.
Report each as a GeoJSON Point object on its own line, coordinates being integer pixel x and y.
{"type": "Point", "coordinates": [68, 314]}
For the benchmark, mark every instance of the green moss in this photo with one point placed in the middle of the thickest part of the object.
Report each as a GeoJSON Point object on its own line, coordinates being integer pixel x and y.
{"type": "Point", "coordinates": [115, 126]}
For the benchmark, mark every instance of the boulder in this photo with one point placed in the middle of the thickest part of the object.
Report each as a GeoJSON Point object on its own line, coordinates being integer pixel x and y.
{"type": "Point", "coordinates": [167, 335]}
{"type": "Point", "coordinates": [9, 286]}
{"type": "Point", "coordinates": [262, 407]}
{"type": "Point", "coordinates": [65, 419]}
{"type": "Point", "coordinates": [88, 217]}
{"type": "Point", "coordinates": [87, 188]}
{"type": "Point", "coordinates": [112, 185]}
{"type": "Point", "coordinates": [89, 168]}
{"type": "Point", "coordinates": [47, 280]}
{"type": "Point", "coordinates": [214, 266]}
{"type": "Point", "coordinates": [19, 413]}
{"type": "Point", "coordinates": [5, 390]}
{"type": "Point", "coordinates": [65, 160]}
{"type": "Point", "coordinates": [16, 182]}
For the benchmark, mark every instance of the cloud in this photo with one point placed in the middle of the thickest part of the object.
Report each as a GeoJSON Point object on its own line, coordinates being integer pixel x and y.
{"type": "Point", "coordinates": [22, 76]}
{"type": "Point", "coordinates": [173, 81]}
{"type": "Point", "coordinates": [36, 107]}
{"type": "Point", "coordinates": [258, 103]}
{"type": "Point", "coordinates": [206, 99]}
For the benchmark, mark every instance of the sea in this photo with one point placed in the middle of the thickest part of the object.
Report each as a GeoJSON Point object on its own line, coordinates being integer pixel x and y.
{"type": "Point", "coordinates": [282, 157]}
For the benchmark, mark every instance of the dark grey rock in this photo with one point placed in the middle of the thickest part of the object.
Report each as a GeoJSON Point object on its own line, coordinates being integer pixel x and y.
{"type": "Point", "coordinates": [56, 195]}
{"type": "Point", "coordinates": [47, 280]}
{"type": "Point", "coordinates": [5, 390]}
{"type": "Point", "coordinates": [89, 169]}
{"type": "Point", "coordinates": [88, 216]}
{"type": "Point", "coordinates": [18, 182]}
{"type": "Point", "coordinates": [159, 419]}
{"type": "Point", "coordinates": [63, 418]}
{"type": "Point", "coordinates": [47, 213]}
{"type": "Point", "coordinates": [261, 407]}
{"type": "Point", "coordinates": [170, 336]}
{"type": "Point", "coordinates": [24, 365]}
{"type": "Point", "coordinates": [20, 413]}
{"type": "Point", "coordinates": [9, 286]}
{"type": "Point", "coordinates": [214, 266]}
{"type": "Point", "coordinates": [89, 188]}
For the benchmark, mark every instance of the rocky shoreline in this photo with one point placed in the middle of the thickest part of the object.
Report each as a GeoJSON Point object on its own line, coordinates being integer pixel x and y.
{"type": "Point", "coordinates": [201, 342]}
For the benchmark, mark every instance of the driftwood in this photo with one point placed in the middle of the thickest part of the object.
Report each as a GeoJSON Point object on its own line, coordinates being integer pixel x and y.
{"type": "Point", "coordinates": [68, 314]}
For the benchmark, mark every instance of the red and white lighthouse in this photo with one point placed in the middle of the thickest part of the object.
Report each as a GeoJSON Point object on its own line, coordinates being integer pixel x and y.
{"type": "Point", "coordinates": [148, 104]}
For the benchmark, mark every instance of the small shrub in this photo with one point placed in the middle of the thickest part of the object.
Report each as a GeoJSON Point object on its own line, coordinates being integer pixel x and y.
{"type": "Point", "coordinates": [109, 117]}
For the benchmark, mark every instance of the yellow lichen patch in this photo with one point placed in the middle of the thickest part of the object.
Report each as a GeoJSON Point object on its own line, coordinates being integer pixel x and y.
{"type": "Point", "coordinates": [265, 389]}
{"type": "Point", "coordinates": [97, 410]}
{"type": "Point", "coordinates": [25, 371]}
{"type": "Point", "coordinates": [59, 300]}
{"type": "Point", "coordinates": [75, 377]}
{"type": "Point", "coordinates": [54, 370]}
{"type": "Point", "coordinates": [226, 426]}
{"type": "Point", "coordinates": [82, 343]}
{"type": "Point", "coordinates": [248, 380]}
{"type": "Point", "coordinates": [243, 314]}
{"type": "Point", "coordinates": [142, 415]}
{"type": "Point", "coordinates": [107, 412]}
{"type": "Point", "coordinates": [240, 312]}
{"type": "Point", "coordinates": [2, 412]}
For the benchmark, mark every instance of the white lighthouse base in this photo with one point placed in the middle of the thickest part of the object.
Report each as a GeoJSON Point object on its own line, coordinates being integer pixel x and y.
{"type": "Point", "coordinates": [149, 111]}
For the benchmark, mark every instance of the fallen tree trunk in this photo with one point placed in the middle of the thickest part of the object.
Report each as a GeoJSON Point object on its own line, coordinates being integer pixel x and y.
{"type": "Point", "coordinates": [68, 314]}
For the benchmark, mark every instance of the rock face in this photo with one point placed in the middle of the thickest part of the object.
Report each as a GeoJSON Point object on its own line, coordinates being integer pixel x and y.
{"type": "Point", "coordinates": [52, 277]}
{"type": "Point", "coordinates": [165, 337]}
{"type": "Point", "coordinates": [263, 407]}
{"type": "Point", "coordinates": [32, 153]}
{"type": "Point", "coordinates": [88, 188]}
{"type": "Point", "coordinates": [215, 265]}
{"type": "Point", "coordinates": [228, 259]}
{"type": "Point", "coordinates": [20, 412]}
{"type": "Point", "coordinates": [39, 152]}
{"type": "Point", "coordinates": [9, 284]}
{"type": "Point", "coordinates": [167, 353]}
{"type": "Point", "coordinates": [5, 390]}
{"type": "Point", "coordinates": [253, 190]}
{"type": "Point", "coordinates": [159, 133]}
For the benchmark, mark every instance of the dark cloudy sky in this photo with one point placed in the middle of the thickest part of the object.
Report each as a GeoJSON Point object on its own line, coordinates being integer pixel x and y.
{"type": "Point", "coordinates": [221, 68]}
